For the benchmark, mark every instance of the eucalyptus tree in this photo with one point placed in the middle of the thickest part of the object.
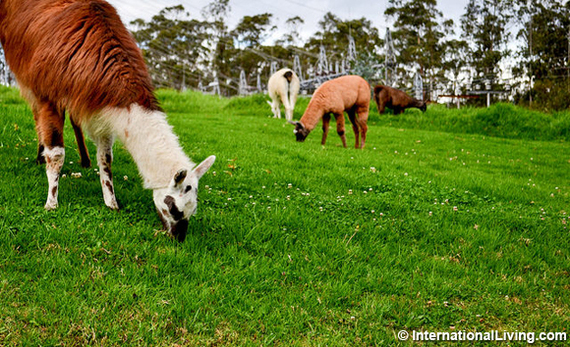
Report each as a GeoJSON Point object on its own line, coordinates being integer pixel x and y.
{"type": "Point", "coordinates": [419, 34]}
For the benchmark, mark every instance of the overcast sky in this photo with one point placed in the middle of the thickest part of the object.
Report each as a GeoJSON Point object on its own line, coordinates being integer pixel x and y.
{"type": "Point", "coordinates": [312, 11]}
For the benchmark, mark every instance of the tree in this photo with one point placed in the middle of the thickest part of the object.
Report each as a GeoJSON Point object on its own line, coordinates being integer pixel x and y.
{"type": "Point", "coordinates": [292, 37]}
{"type": "Point", "coordinates": [221, 43]}
{"type": "Point", "coordinates": [419, 34]}
{"type": "Point", "coordinates": [484, 26]}
{"type": "Point", "coordinates": [334, 36]}
{"type": "Point", "coordinates": [251, 31]}
{"type": "Point", "coordinates": [173, 47]}
{"type": "Point", "coordinates": [545, 30]}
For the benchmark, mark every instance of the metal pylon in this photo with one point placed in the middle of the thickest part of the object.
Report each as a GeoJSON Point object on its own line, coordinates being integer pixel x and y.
{"type": "Point", "coordinates": [351, 49]}
{"type": "Point", "coordinates": [297, 67]}
{"type": "Point", "coordinates": [242, 83]}
{"type": "Point", "coordinates": [418, 86]}
{"type": "Point", "coordinates": [323, 65]}
{"type": "Point", "coordinates": [390, 63]}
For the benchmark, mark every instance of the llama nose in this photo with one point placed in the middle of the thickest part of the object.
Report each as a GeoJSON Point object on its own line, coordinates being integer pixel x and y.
{"type": "Point", "coordinates": [179, 229]}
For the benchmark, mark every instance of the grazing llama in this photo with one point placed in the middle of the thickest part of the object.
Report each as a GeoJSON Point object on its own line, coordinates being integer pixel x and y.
{"type": "Point", "coordinates": [283, 87]}
{"type": "Point", "coordinates": [350, 94]}
{"type": "Point", "coordinates": [395, 99]}
{"type": "Point", "coordinates": [76, 55]}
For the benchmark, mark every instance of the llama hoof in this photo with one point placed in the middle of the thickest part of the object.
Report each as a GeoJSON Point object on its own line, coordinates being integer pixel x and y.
{"type": "Point", "coordinates": [113, 206]}
{"type": "Point", "coordinates": [51, 205]}
{"type": "Point", "coordinates": [86, 163]}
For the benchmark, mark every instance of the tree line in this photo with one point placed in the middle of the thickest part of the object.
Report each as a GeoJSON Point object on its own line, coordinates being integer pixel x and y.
{"type": "Point", "coordinates": [519, 47]}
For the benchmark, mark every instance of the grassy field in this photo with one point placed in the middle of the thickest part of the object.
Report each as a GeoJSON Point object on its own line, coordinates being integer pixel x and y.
{"type": "Point", "coordinates": [439, 224]}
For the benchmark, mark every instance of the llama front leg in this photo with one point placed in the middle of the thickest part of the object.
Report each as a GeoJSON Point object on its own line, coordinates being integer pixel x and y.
{"type": "Point", "coordinates": [54, 157]}
{"type": "Point", "coordinates": [326, 122]}
{"type": "Point", "coordinates": [49, 125]}
{"type": "Point", "coordinates": [104, 160]}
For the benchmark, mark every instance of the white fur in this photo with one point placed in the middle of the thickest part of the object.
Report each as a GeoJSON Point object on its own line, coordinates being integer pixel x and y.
{"type": "Point", "coordinates": [55, 157]}
{"type": "Point", "coordinates": [148, 138]}
{"type": "Point", "coordinates": [283, 92]}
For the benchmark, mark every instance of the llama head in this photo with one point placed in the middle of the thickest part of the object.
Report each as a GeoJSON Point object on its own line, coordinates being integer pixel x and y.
{"type": "Point", "coordinates": [423, 107]}
{"type": "Point", "coordinates": [300, 131]}
{"type": "Point", "coordinates": [179, 201]}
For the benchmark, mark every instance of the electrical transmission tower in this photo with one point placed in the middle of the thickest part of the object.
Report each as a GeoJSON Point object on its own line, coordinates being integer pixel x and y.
{"type": "Point", "coordinates": [323, 66]}
{"type": "Point", "coordinates": [242, 83]}
{"type": "Point", "coordinates": [351, 49]}
{"type": "Point", "coordinates": [418, 86]}
{"type": "Point", "coordinates": [390, 62]}
{"type": "Point", "coordinates": [297, 67]}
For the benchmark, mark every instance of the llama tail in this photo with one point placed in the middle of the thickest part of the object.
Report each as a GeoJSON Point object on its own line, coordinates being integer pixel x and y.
{"type": "Point", "coordinates": [290, 99]}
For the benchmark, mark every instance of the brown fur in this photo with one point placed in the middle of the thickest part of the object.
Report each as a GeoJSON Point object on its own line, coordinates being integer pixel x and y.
{"type": "Point", "coordinates": [350, 94]}
{"type": "Point", "coordinates": [73, 55]}
{"type": "Point", "coordinates": [395, 99]}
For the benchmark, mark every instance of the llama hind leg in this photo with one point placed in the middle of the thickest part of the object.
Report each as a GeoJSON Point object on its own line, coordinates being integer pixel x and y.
{"type": "Point", "coordinates": [288, 109]}
{"type": "Point", "coordinates": [40, 159]}
{"type": "Point", "coordinates": [355, 128]}
{"type": "Point", "coordinates": [83, 153]}
{"type": "Point", "coordinates": [362, 119]}
{"type": "Point", "coordinates": [340, 128]}
{"type": "Point", "coordinates": [104, 160]}
{"type": "Point", "coordinates": [49, 123]}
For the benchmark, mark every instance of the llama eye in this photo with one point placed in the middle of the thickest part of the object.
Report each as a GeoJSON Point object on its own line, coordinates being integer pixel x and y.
{"type": "Point", "coordinates": [188, 188]}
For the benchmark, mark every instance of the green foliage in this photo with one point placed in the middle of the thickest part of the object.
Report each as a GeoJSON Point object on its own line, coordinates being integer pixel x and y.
{"type": "Point", "coordinates": [484, 25]}
{"type": "Point", "coordinates": [419, 35]}
{"type": "Point", "coordinates": [173, 47]}
{"type": "Point", "coordinates": [500, 120]}
{"type": "Point", "coordinates": [251, 31]}
{"type": "Point", "coordinates": [294, 244]}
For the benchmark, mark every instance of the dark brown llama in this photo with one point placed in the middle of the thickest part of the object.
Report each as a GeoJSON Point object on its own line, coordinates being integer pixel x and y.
{"type": "Point", "coordinates": [395, 99]}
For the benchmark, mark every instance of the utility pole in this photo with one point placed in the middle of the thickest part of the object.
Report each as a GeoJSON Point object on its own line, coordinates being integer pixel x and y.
{"type": "Point", "coordinates": [323, 66]}
{"type": "Point", "coordinates": [529, 6]}
{"type": "Point", "coordinates": [351, 48]}
{"type": "Point", "coordinates": [297, 67]}
{"type": "Point", "coordinates": [390, 61]}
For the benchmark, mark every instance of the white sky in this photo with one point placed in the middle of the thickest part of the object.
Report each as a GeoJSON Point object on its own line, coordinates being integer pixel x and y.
{"type": "Point", "coordinates": [312, 11]}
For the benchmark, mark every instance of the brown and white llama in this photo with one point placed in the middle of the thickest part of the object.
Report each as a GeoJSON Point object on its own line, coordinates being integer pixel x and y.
{"type": "Point", "coordinates": [283, 87]}
{"type": "Point", "coordinates": [76, 55]}
{"type": "Point", "coordinates": [395, 99]}
{"type": "Point", "coordinates": [350, 94]}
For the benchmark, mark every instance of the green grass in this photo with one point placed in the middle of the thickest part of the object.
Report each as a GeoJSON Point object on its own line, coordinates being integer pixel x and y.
{"type": "Point", "coordinates": [428, 228]}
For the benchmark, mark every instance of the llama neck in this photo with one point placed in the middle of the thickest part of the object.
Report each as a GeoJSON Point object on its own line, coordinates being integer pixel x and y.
{"type": "Point", "coordinates": [312, 115]}
{"type": "Point", "coordinates": [149, 139]}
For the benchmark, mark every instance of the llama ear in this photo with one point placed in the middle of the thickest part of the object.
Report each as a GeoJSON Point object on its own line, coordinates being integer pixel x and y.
{"type": "Point", "coordinates": [291, 122]}
{"type": "Point", "coordinates": [204, 166]}
{"type": "Point", "coordinates": [179, 177]}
